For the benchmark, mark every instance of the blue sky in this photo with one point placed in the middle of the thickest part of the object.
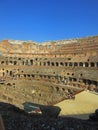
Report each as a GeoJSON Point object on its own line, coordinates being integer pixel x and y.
{"type": "Point", "coordinates": [44, 20]}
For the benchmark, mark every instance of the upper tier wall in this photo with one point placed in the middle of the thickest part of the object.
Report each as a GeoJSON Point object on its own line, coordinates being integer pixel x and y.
{"type": "Point", "coordinates": [57, 47]}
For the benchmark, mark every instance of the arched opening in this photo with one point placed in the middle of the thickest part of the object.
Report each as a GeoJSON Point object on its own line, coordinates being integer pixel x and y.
{"type": "Point", "coordinates": [31, 62]}
{"type": "Point", "coordinates": [66, 63]}
{"type": "Point", "coordinates": [11, 73]}
{"type": "Point", "coordinates": [48, 63]}
{"type": "Point", "coordinates": [2, 62]}
{"type": "Point", "coordinates": [19, 58]}
{"type": "Point", "coordinates": [63, 89]}
{"type": "Point", "coordinates": [70, 64]}
{"type": "Point", "coordinates": [81, 64]}
{"type": "Point", "coordinates": [57, 64]}
{"type": "Point", "coordinates": [75, 64]}
{"type": "Point", "coordinates": [11, 62]}
{"type": "Point", "coordinates": [25, 75]}
{"type": "Point", "coordinates": [61, 63]}
{"type": "Point", "coordinates": [86, 64]}
{"type": "Point", "coordinates": [7, 71]}
{"type": "Point", "coordinates": [44, 63]}
{"type": "Point", "coordinates": [23, 63]}
{"type": "Point", "coordinates": [26, 63]}
{"type": "Point", "coordinates": [52, 63]}
{"type": "Point", "coordinates": [15, 62]}
{"type": "Point", "coordinates": [97, 64]}
{"type": "Point", "coordinates": [92, 64]}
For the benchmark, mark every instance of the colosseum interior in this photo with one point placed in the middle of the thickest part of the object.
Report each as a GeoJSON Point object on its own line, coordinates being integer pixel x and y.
{"type": "Point", "coordinates": [49, 72]}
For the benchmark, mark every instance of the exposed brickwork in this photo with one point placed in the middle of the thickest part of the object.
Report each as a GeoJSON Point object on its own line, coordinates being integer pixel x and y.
{"type": "Point", "coordinates": [49, 72]}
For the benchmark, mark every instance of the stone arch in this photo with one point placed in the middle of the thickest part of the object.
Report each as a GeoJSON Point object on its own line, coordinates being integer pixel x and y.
{"type": "Point", "coordinates": [75, 64]}
{"type": "Point", "coordinates": [63, 89]}
{"type": "Point", "coordinates": [52, 63]}
{"type": "Point", "coordinates": [26, 63]}
{"type": "Point", "coordinates": [86, 64]}
{"type": "Point", "coordinates": [11, 73]}
{"type": "Point", "coordinates": [31, 62]}
{"type": "Point", "coordinates": [70, 63]}
{"type": "Point", "coordinates": [92, 64]}
{"type": "Point", "coordinates": [97, 64]}
{"type": "Point", "coordinates": [80, 64]}
{"type": "Point", "coordinates": [7, 71]}
{"type": "Point", "coordinates": [2, 62]}
{"type": "Point", "coordinates": [57, 64]}
{"type": "Point", "coordinates": [48, 63]}
{"type": "Point", "coordinates": [15, 62]}
{"type": "Point", "coordinates": [10, 62]}
{"type": "Point", "coordinates": [66, 64]}
{"type": "Point", "coordinates": [44, 63]}
{"type": "Point", "coordinates": [61, 64]}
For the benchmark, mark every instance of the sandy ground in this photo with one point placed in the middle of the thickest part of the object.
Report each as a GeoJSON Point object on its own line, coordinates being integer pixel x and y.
{"type": "Point", "coordinates": [84, 104]}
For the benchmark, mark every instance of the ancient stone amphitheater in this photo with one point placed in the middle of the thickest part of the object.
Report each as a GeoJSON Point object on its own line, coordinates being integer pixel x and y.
{"type": "Point", "coordinates": [47, 73]}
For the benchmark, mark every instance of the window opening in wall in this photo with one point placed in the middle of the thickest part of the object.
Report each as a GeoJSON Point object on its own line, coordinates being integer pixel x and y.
{"type": "Point", "coordinates": [75, 64]}
{"type": "Point", "coordinates": [72, 73]}
{"type": "Point", "coordinates": [28, 75]}
{"type": "Point", "coordinates": [66, 63]}
{"type": "Point", "coordinates": [48, 63]}
{"type": "Point", "coordinates": [57, 63]}
{"type": "Point", "coordinates": [81, 64]}
{"type": "Point", "coordinates": [67, 73]}
{"type": "Point", "coordinates": [23, 63]}
{"type": "Point", "coordinates": [86, 64]}
{"type": "Point", "coordinates": [11, 62]}
{"type": "Point", "coordinates": [31, 61]}
{"type": "Point", "coordinates": [52, 63]}
{"type": "Point", "coordinates": [61, 63]}
{"type": "Point", "coordinates": [32, 75]}
{"type": "Point", "coordinates": [15, 62]}
{"type": "Point", "coordinates": [11, 73]}
{"type": "Point", "coordinates": [69, 58]}
{"type": "Point", "coordinates": [44, 63]}
{"type": "Point", "coordinates": [2, 62]}
{"type": "Point", "coordinates": [7, 71]}
{"type": "Point", "coordinates": [97, 64]}
{"type": "Point", "coordinates": [70, 64]}
{"type": "Point", "coordinates": [92, 64]}
{"type": "Point", "coordinates": [81, 74]}
{"type": "Point", "coordinates": [25, 75]}
{"type": "Point", "coordinates": [19, 58]}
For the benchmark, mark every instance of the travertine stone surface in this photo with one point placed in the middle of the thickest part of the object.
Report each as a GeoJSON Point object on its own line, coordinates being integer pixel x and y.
{"type": "Point", "coordinates": [48, 72]}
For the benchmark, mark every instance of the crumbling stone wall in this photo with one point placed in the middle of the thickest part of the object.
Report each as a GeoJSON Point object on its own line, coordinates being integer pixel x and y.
{"type": "Point", "coordinates": [61, 66]}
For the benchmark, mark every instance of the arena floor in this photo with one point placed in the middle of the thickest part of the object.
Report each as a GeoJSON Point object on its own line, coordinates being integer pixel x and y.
{"type": "Point", "coordinates": [84, 104]}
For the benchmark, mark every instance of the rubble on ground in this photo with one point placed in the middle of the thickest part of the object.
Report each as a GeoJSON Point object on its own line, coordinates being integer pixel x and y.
{"type": "Point", "coordinates": [17, 119]}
